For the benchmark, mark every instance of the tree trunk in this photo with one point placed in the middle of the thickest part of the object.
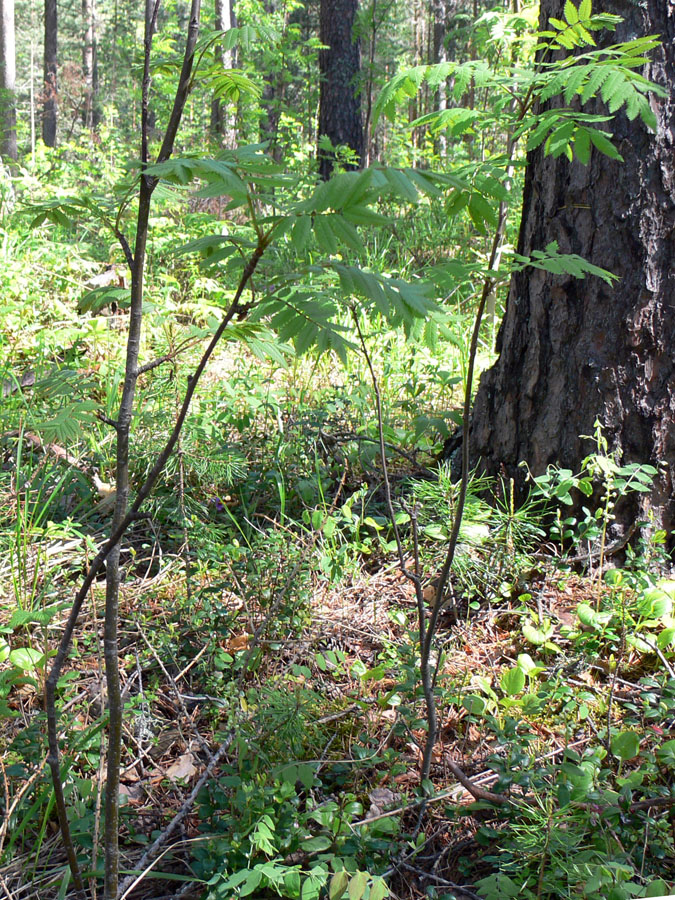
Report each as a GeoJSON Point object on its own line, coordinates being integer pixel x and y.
{"type": "Point", "coordinates": [95, 97]}
{"type": "Point", "coordinates": [339, 66]}
{"type": "Point", "coordinates": [50, 65]}
{"type": "Point", "coordinates": [571, 351]}
{"type": "Point", "coordinates": [271, 101]}
{"type": "Point", "coordinates": [7, 80]}
{"type": "Point", "coordinates": [439, 11]}
{"type": "Point", "coordinates": [221, 120]}
{"type": "Point", "coordinates": [88, 62]}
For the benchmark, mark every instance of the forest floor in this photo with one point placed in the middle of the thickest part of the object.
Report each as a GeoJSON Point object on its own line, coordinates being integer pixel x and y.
{"type": "Point", "coordinates": [274, 720]}
{"type": "Point", "coordinates": [328, 684]}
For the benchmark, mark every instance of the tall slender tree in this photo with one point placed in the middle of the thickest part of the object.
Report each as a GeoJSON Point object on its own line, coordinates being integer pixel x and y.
{"type": "Point", "coordinates": [50, 96]}
{"type": "Point", "coordinates": [273, 90]}
{"type": "Point", "coordinates": [7, 80]}
{"type": "Point", "coordinates": [220, 120]}
{"type": "Point", "coordinates": [90, 114]}
{"type": "Point", "coordinates": [572, 351]}
{"type": "Point", "coordinates": [339, 65]}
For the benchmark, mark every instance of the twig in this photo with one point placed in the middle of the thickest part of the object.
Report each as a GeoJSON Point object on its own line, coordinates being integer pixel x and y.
{"type": "Point", "coordinates": [656, 649]}
{"type": "Point", "coordinates": [200, 740]}
{"type": "Point", "coordinates": [336, 716]}
{"type": "Point", "coordinates": [167, 357]}
{"type": "Point", "coordinates": [101, 765]}
{"type": "Point", "coordinates": [349, 436]}
{"type": "Point", "coordinates": [278, 600]}
{"type": "Point", "coordinates": [183, 672]}
{"type": "Point", "coordinates": [9, 895]}
{"type": "Point", "coordinates": [153, 850]}
{"type": "Point", "coordinates": [442, 881]}
{"type": "Point", "coordinates": [477, 792]}
{"type": "Point", "coordinates": [98, 561]}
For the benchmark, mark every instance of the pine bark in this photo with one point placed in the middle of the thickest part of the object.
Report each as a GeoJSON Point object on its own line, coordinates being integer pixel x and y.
{"type": "Point", "coordinates": [49, 109]}
{"type": "Point", "coordinates": [339, 66]}
{"type": "Point", "coordinates": [7, 80]}
{"type": "Point", "coordinates": [573, 351]}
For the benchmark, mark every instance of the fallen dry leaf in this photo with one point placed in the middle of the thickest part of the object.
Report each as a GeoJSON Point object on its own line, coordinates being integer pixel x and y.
{"type": "Point", "coordinates": [183, 767]}
{"type": "Point", "coordinates": [411, 777]}
{"type": "Point", "coordinates": [240, 642]}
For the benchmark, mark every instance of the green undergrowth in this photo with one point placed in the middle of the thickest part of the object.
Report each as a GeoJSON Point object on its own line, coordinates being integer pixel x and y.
{"type": "Point", "coordinates": [265, 614]}
{"type": "Point", "coordinates": [264, 607]}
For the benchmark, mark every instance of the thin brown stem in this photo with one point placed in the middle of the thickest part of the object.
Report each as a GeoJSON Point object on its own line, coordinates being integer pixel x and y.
{"type": "Point", "coordinates": [101, 557]}
{"type": "Point", "coordinates": [425, 656]}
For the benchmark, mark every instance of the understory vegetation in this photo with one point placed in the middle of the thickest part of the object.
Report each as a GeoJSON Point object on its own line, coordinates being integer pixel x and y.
{"type": "Point", "coordinates": [276, 670]}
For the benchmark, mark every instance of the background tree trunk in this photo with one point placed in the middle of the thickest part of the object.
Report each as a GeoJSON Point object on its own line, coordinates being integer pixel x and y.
{"type": "Point", "coordinates": [339, 66]}
{"type": "Point", "coordinates": [272, 99]}
{"type": "Point", "coordinates": [7, 80]}
{"type": "Point", "coordinates": [221, 124]}
{"type": "Point", "coordinates": [89, 116]}
{"type": "Point", "coordinates": [49, 110]}
{"type": "Point", "coordinates": [571, 351]}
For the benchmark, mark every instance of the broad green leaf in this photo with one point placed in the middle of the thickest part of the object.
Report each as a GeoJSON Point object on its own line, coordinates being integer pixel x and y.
{"type": "Point", "coordinates": [424, 182]}
{"type": "Point", "coordinates": [666, 753]}
{"type": "Point", "coordinates": [512, 681]}
{"type": "Point", "coordinates": [305, 339]}
{"type": "Point", "coordinates": [537, 636]}
{"type": "Point", "coordinates": [315, 844]}
{"type": "Point", "coordinates": [625, 745]}
{"type": "Point", "coordinates": [347, 233]}
{"type": "Point", "coordinates": [559, 139]}
{"type": "Point", "coordinates": [665, 638]}
{"type": "Point", "coordinates": [527, 664]}
{"type": "Point", "coordinates": [324, 234]}
{"type": "Point", "coordinates": [357, 886]}
{"type": "Point", "coordinates": [582, 146]}
{"type": "Point", "coordinates": [251, 882]}
{"type": "Point", "coordinates": [26, 658]}
{"type": "Point", "coordinates": [457, 201]}
{"type": "Point", "coordinates": [401, 185]}
{"type": "Point", "coordinates": [570, 12]}
{"type": "Point", "coordinates": [338, 885]}
{"type": "Point", "coordinates": [94, 301]}
{"type": "Point", "coordinates": [363, 215]}
{"type": "Point", "coordinates": [481, 212]}
{"type": "Point", "coordinates": [311, 887]}
{"type": "Point", "coordinates": [602, 142]}
{"type": "Point", "coordinates": [292, 883]}
{"type": "Point", "coordinates": [588, 616]}
{"type": "Point", "coordinates": [378, 890]}
{"type": "Point", "coordinates": [232, 85]}
{"type": "Point", "coordinates": [658, 888]}
{"type": "Point", "coordinates": [306, 775]}
{"type": "Point", "coordinates": [352, 188]}
{"type": "Point", "coordinates": [300, 233]}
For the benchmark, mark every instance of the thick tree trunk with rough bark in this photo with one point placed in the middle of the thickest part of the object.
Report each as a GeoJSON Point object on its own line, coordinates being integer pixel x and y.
{"type": "Point", "coordinates": [571, 351]}
{"type": "Point", "coordinates": [339, 65]}
{"type": "Point", "coordinates": [7, 80]}
{"type": "Point", "coordinates": [50, 83]}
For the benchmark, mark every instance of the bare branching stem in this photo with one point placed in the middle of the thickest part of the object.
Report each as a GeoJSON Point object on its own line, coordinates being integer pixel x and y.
{"type": "Point", "coordinates": [103, 554]}
{"type": "Point", "coordinates": [124, 514]}
{"type": "Point", "coordinates": [428, 677]}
